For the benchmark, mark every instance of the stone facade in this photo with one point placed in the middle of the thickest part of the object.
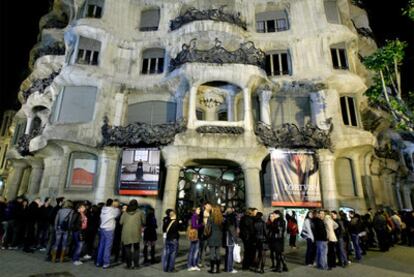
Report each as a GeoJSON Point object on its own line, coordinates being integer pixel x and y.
{"type": "Point", "coordinates": [224, 69]}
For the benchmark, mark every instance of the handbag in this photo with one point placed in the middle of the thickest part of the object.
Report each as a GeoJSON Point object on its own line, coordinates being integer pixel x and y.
{"type": "Point", "coordinates": [236, 253]}
{"type": "Point", "coordinates": [192, 234]}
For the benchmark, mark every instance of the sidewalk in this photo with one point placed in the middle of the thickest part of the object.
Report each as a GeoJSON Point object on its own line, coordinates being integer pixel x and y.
{"type": "Point", "coordinates": [398, 262]}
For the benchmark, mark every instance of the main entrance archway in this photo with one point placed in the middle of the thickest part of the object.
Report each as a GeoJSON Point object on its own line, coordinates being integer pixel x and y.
{"type": "Point", "coordinates": [217, 182]}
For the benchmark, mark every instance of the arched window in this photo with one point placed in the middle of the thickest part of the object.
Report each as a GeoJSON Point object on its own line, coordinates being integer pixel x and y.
{"type": "Point", "coordinates": [272, 21]}
{"type": "Point", "coordinates": [152, 112]}
{"type": "Point", "coordinates": [153, 61]}
{"type": "Point", "coordinates": [150, 20]}
{"type": "Point", "coordinates": [82, 171]}
{"type": "Point", "coordinates": [345, 177]}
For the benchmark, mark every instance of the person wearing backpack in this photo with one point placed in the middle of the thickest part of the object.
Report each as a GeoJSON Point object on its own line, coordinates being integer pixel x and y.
{"type": "Point", "coordinates": [62, 225]}
{"type": "Point", "coordinates": [192, 234]}
{"type": "Point", "coordinates": [109, 214]}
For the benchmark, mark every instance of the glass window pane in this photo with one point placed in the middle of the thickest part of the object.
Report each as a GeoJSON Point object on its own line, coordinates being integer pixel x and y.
{"type": "Point", "coordinates": [98, 13]}
{"type": "Point", "coordinates": [95, 58]}
{"type": "Point", "coordinates": [268, 65]}
{"type": "Point", "coordinates": [160, 65]}
{"type": "Point", "coordinates": [90, 11]}
{"type": "Point", "coordinates": [352, 111]}
{"type": "Point", "coordinates": [344, 110]}
{"type": "Point", "coordinates": [88, 56]}
{"type": "Point", "coordinates": [80, 56]}
{"type": "Point", "coordinates": [335, 61]}
{"type": "Point", "coordinates": [153, 63]}
{"type": "Point", "coordinates": [342, 57]}
{"type": "Point", "coordinates": [260, 26]}
{"type": "Point", "coordinates": [281, 25]}
{"type": "Point", "coordinates": [285, 64]}
{"type": "Point", "coordinates": [271, 26]}
{"type": "Point", "coordinates": [144, 66]}
{"type": "Point", "coordinates": [276, 67]}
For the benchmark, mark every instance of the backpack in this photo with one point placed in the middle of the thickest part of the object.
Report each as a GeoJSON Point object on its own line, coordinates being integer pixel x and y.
{"type": "Point", "coordinates": [65, 224]}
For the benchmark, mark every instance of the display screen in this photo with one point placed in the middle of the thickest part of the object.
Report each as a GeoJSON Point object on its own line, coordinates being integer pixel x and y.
{"type": "Point", "coordinates": [140, 171]}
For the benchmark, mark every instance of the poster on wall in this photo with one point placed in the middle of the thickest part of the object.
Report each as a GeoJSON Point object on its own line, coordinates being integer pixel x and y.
{"type": "Point", "coordinates": [140, 170]}
{"type": "Point", "coordinates": [295, 178]}
{"type": "Point", "coordinates": [83, 173]}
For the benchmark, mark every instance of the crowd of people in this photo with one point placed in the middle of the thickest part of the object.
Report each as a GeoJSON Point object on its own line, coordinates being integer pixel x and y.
{"type": "Point", "coordinates": [111, 234]}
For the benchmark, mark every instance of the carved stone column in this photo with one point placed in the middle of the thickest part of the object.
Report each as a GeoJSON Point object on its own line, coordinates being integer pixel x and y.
{"type": "Point", "coordinates": [230, 106]}
{"type": "Point", "coordinates": [264, 97]}
{"type": "Point", "coordinates": [248, 117]}
{"type": "Point", "coordinates": [171, 187]}
{"type": "Point", "coordinates": [179, 99]}
{"type": "Point", "coordinates": [253, 192]}
{"type": "Point", "coordinates": [15, 177]}
{"type": "Point", "coordinates": [35, 179]}
{"type": "Point", "coordinates": [406, 191]}
{"type": "Point", "coordinates": [328, 183]}
{"type": "Point", "coordinates": [192, 108]}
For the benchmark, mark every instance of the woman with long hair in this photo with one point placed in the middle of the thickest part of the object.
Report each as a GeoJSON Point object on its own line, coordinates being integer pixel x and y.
{"type": "Point", "coordinates": [194, 226]}
{"type": "Point", "coordinates": [307, 234]}
{"type": "Point", "coordinates": [150, 236]}
{"type": "Point", "coordinates": [216, 238]}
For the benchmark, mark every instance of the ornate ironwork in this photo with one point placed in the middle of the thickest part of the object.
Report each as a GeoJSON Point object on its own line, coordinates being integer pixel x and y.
{"type": "Point", "coordinates": [291, 136]}
{"type": "Point", "coordinates": [233, 130]}
{"type": "Point", "coordinates": [40, 85]}
{"type": "Point", "coordinates": [192, 14]}
{"type": "Point", "coordinates": [246, 54]}
{"type": "Point", "coordinates": [23, 142]}
{"type": "Point", "coordinates": [141, 133]}
{"type": "Point", "coordinates": [387, 152]}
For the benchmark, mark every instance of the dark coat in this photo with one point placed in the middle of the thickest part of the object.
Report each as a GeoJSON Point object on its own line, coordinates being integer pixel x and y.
{"type": "Point", "coordinates": [216, 238]}
{"type": "Point", "coordinates": [150, 231]}
{"type": "Point", "coordinates": [247, 228]}
{"type": "Point", "coordinates": [260, 230]}
{"type": "Point", "coordinates": [276, 235]}
{"type": "Point", "coordinates": [320, 230]}
{"type": "Point", "coordinates": [230, 230]}
{"type": "Point", "coordinates": [172, 233]}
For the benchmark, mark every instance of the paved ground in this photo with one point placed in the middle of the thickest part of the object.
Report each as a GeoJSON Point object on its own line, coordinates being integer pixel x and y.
{"type": "Point", "coordinates": [398, 262]}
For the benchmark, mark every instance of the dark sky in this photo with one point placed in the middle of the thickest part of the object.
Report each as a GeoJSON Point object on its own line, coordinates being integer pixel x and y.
{"type": "Point", "coordinates": [19, 31]}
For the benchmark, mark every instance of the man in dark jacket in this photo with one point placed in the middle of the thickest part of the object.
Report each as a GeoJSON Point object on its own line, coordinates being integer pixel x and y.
{"type": "Point", "coordinates": [170, 228]}
{"type": "Point", "coordinates": [43, 224]}
{"type": "Point", "coordinates": [248, 238]}
{"type": "Point", "coordinates": [340, 246]}
{"type": "Point", "coordinates": [32, 216]}
{"type": "Point", "coordinates": [321, 241]}
{"type": "Point", "coordinates": [355, 227]}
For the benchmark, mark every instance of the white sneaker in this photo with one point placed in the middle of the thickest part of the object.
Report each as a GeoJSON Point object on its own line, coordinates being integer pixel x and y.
{"type": "Point", "coordinates": [190, 269]}
{"type": "Point", "coordinates": [196, 268]}
{"type": "Point", "coordinates": [77, 263]}
{"type": "Point", "coordinates": [87, 257]}
{"type": "Point", "coordinates": [233, 271]}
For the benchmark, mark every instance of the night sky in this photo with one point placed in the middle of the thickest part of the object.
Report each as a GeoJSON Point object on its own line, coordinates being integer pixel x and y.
{"type": "Point", "coordinates": [19, 31]}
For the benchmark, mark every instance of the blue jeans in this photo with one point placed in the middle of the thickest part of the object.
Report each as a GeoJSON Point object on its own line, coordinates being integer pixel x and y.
{"type": "Point", "coordinates": [310, 252]}
{"type": "Point", "coordinates": [193, 254]}
{"type": "Point", "coordinates": [78, 246]}
{"type": "Point", "coordinates": [61, 238]}
{"type": "Point", "coordinates": [171, 249]}
{"type": "Point", "coordinates": [322, 254]}
{"type": "Point", "coordinates": [105, 246]}
{"type": "Point", "coordinates": [229, 258]}
{"type": "Point", "coordinates": [357, 248]}
{"type": "Point", "coordinates": [341, 252]}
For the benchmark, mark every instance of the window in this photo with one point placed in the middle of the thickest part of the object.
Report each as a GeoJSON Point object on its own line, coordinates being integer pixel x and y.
{"type": "Point", "coordinates": [19, 131]}
{"type": "Point", "coordinates": [349, 111]}
{"type": "Point", "coordinates": [200, 114]}
{"type": "Point", "coordinates": [153, 61]}
{"type": "Point", "coordinates": [94, 8]}
{"type": "Point", "coordinates": [82, 170]}
{"type": "Point", "coordinates": [332, 12]}
{"type": "Point", "coordinates": [149, 20]}
{"type": "Point", "coordinates": [222, 115]}
{"type": "Point", "coordinates": [141, 155]}
{"type": "Point", "coordinates": [152, 112]}
{"type": "Point", "coordinates": [294, 110]}
{"type": "Point", "coordinates": [273, 21]}
{"type": "Point", "coordinates": [75, 105]}
{"type": "Point", "coordinates": [278, 63]}
{"type": "Point", "coordinates": [339, 59]}
{"type": "Point", "coordinates": [4, 126]}
{"type": "Point", "coordinates": [345, 177]}
{"type": "Point", "coordinates": [88, 51]}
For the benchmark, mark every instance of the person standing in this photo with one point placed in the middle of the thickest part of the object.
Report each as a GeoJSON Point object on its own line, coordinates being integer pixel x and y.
{"type": "Point", "coordinates": [292, 229]}
{"type": "Point", "coordinates": [331, 226]}
{"type": "Point", "coordinates": [106, 234]}
{"type": "Point", "coordinates": [205, 215]}
{"type": "Point", "coordinates": [247, 236]}
{"type": "Point", "coordinates": [355, 228]}
{"type": "Point", "coordinates": [307, 234]}
{"type": "Point", "coordinates": [280, 229]}
{"type": "Point", "coordinates": [43, 224]}
{"type": "Point", "coordinates": [62, 226]}
{"type": "Point", "coordinates": [170, 228]}
{"type": "Point", "coordinates": [215, 239]}
{"type": "Point", "coordinates": [340, 245]}
{"type": "Point", "coordinates": [132, 221]}
{"type": "Point", "coordinates": [79, 226]}
{"type": "Point", "coordinates": [321, 241]}
{"type": "Point", "coordinates": [260, 236]}
{"type": "Point", "coordinates": [150, 236]}
{"type": "Point", "coordinates": [192, 233]}
{"type": "Point", "coordinates": [230, 233]}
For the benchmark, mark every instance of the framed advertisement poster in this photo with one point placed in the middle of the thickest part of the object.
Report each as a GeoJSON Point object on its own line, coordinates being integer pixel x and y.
{"type": "Point", "coordinates": [82, 171]}
{"type": "Point", "coordinates": [140, 171]}
{"type": "Point", "coordinates": [295, 178]}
